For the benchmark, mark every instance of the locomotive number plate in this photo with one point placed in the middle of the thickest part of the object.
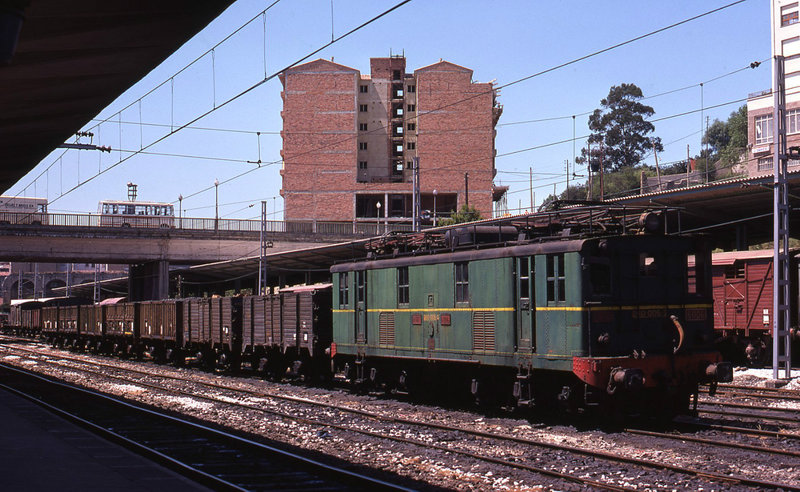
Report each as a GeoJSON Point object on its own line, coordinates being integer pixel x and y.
{"type": "Point", "coordinates": [696, 315]}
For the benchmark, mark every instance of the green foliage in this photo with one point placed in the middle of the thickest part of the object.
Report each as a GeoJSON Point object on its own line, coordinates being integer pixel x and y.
{"type": "Point", "coordinates": [464, 214]}
{"type": "Point", "coordinates": [625, 181]}
{"type": "Point", "coordinates": [727, 140]}
{"type": "Point", "coordinates": [621, 127]}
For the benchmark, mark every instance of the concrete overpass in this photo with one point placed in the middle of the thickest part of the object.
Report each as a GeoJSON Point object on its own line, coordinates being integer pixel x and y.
{"type": "Point", "coordinates": [111, 245]}
{"type": "Point", "coordinates": [83, 238]}
{"type": "Point", "coordinates": [151, 251]}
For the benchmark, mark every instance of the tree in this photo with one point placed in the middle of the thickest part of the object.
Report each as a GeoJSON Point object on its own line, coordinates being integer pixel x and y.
{"type": "Point", "coordinates": [621, 127]}
{"type": "Point", "coordinates": [464, 214]}
{"type": "Point", "coordinates": [727, 140]}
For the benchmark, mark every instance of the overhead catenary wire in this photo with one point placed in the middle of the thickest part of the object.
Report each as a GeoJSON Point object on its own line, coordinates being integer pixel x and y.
{"type": "Point", "coordinates": [234, 97]}
{"type": "Point", "coordinates": [523, 79]}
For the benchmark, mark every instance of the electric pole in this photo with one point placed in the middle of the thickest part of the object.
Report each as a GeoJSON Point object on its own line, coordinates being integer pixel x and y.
{"type": "Point", "coordinates": [466, 189]}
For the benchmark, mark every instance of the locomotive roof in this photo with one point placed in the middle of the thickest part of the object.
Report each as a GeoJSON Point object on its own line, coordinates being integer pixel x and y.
{"type": "Point", "coordinates": [510, 250]}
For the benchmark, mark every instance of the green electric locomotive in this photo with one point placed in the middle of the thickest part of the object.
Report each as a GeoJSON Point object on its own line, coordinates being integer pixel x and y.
{"type": "Point", "coordinates": [573, 315]}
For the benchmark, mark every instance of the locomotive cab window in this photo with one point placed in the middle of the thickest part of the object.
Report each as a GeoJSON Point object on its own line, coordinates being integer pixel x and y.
{"type": "Point", "coordinates": [343, 291]}
{"type": "Point", "coordinates": [600, 276]}
{"type": "Point", "coordinates": [402, 285]}
{"type": "Point", "coordinates": [462, 282]}
{"type": "Point", "coordinates": [696, 275]}
{"type": "Point", "coordinates": [648, 266]}
{"type": "Point", "coordinates": [556, 288]}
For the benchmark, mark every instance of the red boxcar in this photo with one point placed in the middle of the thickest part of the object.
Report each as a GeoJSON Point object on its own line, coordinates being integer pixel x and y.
{"type": "Point", "coordinates": [743, 314]}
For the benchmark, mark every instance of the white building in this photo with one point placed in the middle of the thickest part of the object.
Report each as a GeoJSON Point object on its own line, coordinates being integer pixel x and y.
{"type": "Point", "coordinates": [785, 36]}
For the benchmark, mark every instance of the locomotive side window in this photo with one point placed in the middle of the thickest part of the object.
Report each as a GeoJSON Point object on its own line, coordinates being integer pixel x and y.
{"type": "Point", "coordinates": [556, 288]}
{"type": "Point", "coordinates": [402, 285]}
{"type": "Point", "coordinates": [462, 282]}
{"type": "Point", "coordinates": [524, 273]}
{"type": "Point", "coordinates": [343, 291]}
{"type": "Point", "coordinates": [360, 284]}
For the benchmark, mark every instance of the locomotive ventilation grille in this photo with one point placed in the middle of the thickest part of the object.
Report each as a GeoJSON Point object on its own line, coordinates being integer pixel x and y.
{"type": "Point", "coordinates": [483, 330]}
{"type": "Point", "coordinates": [386, 325]}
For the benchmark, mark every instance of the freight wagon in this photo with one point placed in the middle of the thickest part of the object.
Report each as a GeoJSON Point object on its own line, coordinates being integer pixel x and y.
{"type": "Point", "coordinates": [743, 311]}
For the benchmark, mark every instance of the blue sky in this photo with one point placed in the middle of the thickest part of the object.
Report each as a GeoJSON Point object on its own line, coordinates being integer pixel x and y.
{"type": "Point", "coordinates": [499, 40]}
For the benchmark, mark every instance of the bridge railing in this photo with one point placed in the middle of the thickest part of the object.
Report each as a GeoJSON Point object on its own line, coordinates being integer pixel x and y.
{"type": "Point", "coordinates": [328, 228]}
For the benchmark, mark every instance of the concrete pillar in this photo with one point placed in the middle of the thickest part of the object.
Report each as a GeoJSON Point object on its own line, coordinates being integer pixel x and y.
{"type": "Point", "coordinates": [148, 281]}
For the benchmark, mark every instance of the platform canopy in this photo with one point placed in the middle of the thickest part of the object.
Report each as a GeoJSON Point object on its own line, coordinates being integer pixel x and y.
{"type": "Point", "coordinates": [72, 59]}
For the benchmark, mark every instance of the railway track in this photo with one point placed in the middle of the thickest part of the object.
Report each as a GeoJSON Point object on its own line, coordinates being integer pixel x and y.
{"type": "Point", "coordinates": [737, 391]}
{"type": "Point", "coordinates": [394, 420]}
{"type": "Point", "coordinates": [213, 457]}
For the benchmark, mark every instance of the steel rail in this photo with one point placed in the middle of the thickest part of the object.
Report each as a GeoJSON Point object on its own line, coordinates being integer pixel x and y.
{"type": "Point", "coordinates": [324, 468]}
{"type": "Point", "coordinates": [777, 418]}
{"type": "Point", "coordinates": [733, 404]}
{"type": "Point", "coordinates": [757, 393]}
{"type": "Point", "coordinates": [575, 450]}
{"type": "Point", "coordinates": [305, 420]}
{"type": "Point", "coordinates": [713, 442]}
{"type": "Point", "coordinates": [779, 434]}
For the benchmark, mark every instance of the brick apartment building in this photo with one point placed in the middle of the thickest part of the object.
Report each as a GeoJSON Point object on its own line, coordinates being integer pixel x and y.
{"type": "Point", "coordinates": [785, 27]}
{"type": "Point", "coordinates": [349, 140]}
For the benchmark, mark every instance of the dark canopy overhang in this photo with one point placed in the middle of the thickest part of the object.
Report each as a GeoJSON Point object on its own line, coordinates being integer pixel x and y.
{"type": "Point", "coordinates": [74, 58]}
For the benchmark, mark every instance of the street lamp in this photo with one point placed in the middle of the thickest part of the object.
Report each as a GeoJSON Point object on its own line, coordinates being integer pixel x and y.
{"type": "Point", "coordinates": [378, 221]}
{"type": "Point", "coordinates": [216, 204]}
{"type": "Point", "coordinates": [180, 211]}
{"type": "Point", "coordinates": [435, 192]}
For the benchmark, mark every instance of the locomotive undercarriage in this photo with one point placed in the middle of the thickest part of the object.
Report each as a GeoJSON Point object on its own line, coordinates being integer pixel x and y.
{"type": "Point", "coordinates": [520, 388]}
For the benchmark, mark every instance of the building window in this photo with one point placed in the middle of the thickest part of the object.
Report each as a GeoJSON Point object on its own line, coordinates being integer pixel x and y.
{"type": "Point", "coordinates": [362, 145]}
{"type": "Point", "coordinates": [412, 108]}
{"type": "Point", "coordinates": [398, 93]}
{"type": "Point", "coordinates": [764, 129]}
{"type": "Point", "coordinates": [462, 282]}
{"type": "Point", "coordinates": [411, 88]}
{"type": "Point", "coordinates": [398, 130]}
{"type": "Point", "coordinates": [363, 89]}
{"type": "Point", "coordinates": [362, 127]}
{"type": "Point", "coordinates": [412, 127]}
{"type": "Point", "coordinates": [402, 285]}
{"type": "Point", "coordinates": [398, 148]}
{"type": "Point", "coordinates": [556, 288]}
{"type": "Point", "coordinates": [412, 145]}
{"type": "Point", "coordinates": [363, 108]}
{"type": "Point", "coordinates": [789, 15]}
{"type": "Point", "coordinates": [343, 290]}
{"type": "Point", "coordinates": [362, 164]}
{"type": "Point", "coordinates": [398, 112]}
{"type": "Point", "coordinates": [765, 164]}
{"type": "Point", "coordinates": [793, 121]}
{"type": "Point", "coordinates": [396, 75]}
